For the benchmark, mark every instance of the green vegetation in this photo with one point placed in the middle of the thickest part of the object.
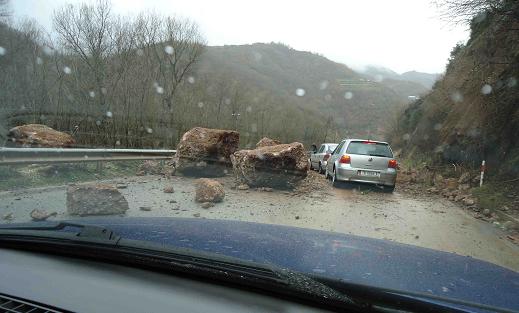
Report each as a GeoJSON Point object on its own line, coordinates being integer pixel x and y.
{"type": "Point", "coordinates": [492, 196]}
{"type": "Point", "coordinates": [15, 177]}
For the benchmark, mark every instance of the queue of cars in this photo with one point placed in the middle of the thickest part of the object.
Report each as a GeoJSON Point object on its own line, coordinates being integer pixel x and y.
{"type": "Point", "coordinates": [356, 160]}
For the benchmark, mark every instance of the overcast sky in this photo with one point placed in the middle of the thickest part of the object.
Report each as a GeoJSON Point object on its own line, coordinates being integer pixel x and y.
{"type": "Point", "coordinates": [402, 35]}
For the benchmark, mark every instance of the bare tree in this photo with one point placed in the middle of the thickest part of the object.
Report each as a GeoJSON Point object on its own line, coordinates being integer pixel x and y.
{"type": "Point", "coordinates": [464, 11]}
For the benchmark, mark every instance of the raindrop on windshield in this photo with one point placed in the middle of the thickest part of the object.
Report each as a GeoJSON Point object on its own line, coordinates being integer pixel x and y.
{"type": "Point", "coordinates": [328, 97]}
{"type": "Point", "coordinates": [169, 50]}
{"type": "Point", "coordinates": [39, 61]}
{"type": "Point", "coordinates": [323, 85]}
{"type": "Point", "coordinates": [117, 143]}
{"type": "Point", "coordinates": [480, 17]}
{"type": "Point", "coordinates": [191, 80]}
{"type": "Point", "coordinates": [48, 50]}
{"type": "Point", "coordinates": [248, 109]}
{"type": "Point", "coordinates": [227, 101]}
{"type": "Point", "coordinates": [149, 130]}
{"type": "Point", "coordinates": [257, 56]}
{"type": "Point", "coordinates": [92, 94]}
{"type": "Point", "coordinates": [254, 128]}
{"type": "Point", "coordinates": [159, 90]}
{"type": "Point", "coordinates": [437, 126]}
{"type": "Point", "coordinates": [486, 89]}
{"type": "Point", "coordinates": [103, 90]}
{"type": "Point", "coordinates": [300, 92]}
{"type": "Point", "coordinates": [2, 51]}
{"type": "Point", "coordinates": [406, 137]}
{"type": "Point", "coordinates": [98, 123]}
{"type": "Point", "coordinates": [512, 82]}
{"type": "Point", "coordinates": [379, 78]}
{"type": "Point", "coordinates": [67, 70]}
{"type": "Point", "coordinates": [108, 114]}
{"type": "Point", "coordinates": [456, 96]}
{"type": "Point", "coordinates": [140, 52]}
{"type": "Point", "coordinates": [200, 105]}
{"type": "Point", "coordinates": [348, 95]}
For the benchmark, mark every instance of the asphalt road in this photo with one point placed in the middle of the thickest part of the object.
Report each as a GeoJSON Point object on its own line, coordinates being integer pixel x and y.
{"type": "Point", "coordinates": [424, 220]}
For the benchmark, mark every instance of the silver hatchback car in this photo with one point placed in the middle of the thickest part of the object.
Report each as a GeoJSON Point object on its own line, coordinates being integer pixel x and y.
{"type": "Point", "coordinates": [319, 158]}
{"type": "Point", "coordinates": [366, 161]}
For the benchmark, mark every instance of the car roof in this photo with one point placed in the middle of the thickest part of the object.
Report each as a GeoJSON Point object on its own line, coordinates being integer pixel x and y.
{"type": "Point", "coordinates": [330, 143]}
{"type": "Point", "coordinates": [376, 141]}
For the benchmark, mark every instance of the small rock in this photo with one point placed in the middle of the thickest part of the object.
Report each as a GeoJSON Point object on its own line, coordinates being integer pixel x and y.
{"type": "Point", "coordinates": [267, 189]}
{"type": "Point", "coordinates": [209, 190]}
{"type": "Point", "coordinates": [508, 225]}
{"type": "Point", "coordinates": [196, 215]}
{"type": "Point", "coordinates": [172, 201]}
{"type": "Point", "coordinates": [207, 205]}
{"type": "Point", "coordinates": [297, 217]}
{"type": "Point", "coordinates": [145, 208]}
{"type": "Point", "coordinates": [17, 198]}
{"type": "Point", "coordinates": [487, 212]}
{"type": "Point", "coordinates": [469, 201]}
{"type": "Point", "coordinates": [39, 215]}
{"type": "Point", "coordinates": [416, 237]}
{"type": "Point", "coordinates": [464, 178]}
{"type": "Point", "coordinates": [504, 208]}
{"type": "Point", "coordinates": [121, 186]}
{"type": "Point", "coordinates": [169, 189]}
{"type": "Point", "coordinates": [242, 187]}
{"type": "Point", "coordinates": [8, 217]}
{"type": "Point", "coordinates": [140, 173]}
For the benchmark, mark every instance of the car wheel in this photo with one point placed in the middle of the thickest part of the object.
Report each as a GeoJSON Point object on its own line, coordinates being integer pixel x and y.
{"type": "Point", "coordinates": [335, 182]}
{"type": "Point", "coordinates": [389, 189]}
{"type": "Point", "coordinates": [320, 170]}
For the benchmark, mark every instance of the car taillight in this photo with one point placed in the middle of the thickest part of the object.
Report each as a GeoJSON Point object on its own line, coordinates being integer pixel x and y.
{"type": "Point", "coordinates": [368, 142]}
{"type": "Point", "coordinates": [345, 159]}
{"type": "Point", "coordinates": [392, 164]}
{"type": "Point", "coordinates": [326, 156]}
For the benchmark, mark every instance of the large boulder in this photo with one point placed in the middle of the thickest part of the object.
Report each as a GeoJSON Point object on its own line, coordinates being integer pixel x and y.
{"type": "Point", "coordinates": [266, 142]}
{"type": "Point", "coordinates": [208, 190]}
{"type": "Point", "coordinates": [206, 152]}
{"type": "Point", "coordinates": [95, 199]}
{"type": "Point", "coordinates": [278, 166]}
{"type": "Point", "coordinates": [37, 135]}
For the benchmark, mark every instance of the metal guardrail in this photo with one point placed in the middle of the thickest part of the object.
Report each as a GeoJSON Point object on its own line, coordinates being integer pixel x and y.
{"type": "Point", "coordinates": [13, 156]}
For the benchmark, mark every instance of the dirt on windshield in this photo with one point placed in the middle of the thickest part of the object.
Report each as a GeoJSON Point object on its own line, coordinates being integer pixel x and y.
{"type": "Point", "coordinates": [420, 219]}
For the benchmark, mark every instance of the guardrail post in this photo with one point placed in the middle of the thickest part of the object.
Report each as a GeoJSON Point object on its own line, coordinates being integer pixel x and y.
{"type": "Point", "coordinates": [482, 173]}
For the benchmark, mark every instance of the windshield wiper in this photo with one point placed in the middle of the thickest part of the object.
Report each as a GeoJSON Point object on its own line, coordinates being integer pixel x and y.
{"type": "Point", "coordinates": [63, 230]}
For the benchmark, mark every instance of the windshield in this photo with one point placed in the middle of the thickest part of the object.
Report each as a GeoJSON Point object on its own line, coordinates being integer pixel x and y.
{"type": "Point", "coordinates": [230, 115]}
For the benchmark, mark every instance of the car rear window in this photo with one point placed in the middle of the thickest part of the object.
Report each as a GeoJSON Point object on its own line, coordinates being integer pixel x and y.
{"type": "Point", "coordinates": [369, 148]}
{"type": "Point", "coordinates": [331, 148]}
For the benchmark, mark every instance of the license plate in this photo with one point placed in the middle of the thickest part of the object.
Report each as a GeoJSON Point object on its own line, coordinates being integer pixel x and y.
{"type": "Point", "coordinates": [369, 173]}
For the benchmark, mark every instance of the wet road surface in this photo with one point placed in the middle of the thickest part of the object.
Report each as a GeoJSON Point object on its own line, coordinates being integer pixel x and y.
{"type": "Point", "coordinates": [425, 220]}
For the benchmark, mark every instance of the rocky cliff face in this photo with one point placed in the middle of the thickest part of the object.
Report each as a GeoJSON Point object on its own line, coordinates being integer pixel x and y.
{"type": "Point", "coordinates": [472, 113]}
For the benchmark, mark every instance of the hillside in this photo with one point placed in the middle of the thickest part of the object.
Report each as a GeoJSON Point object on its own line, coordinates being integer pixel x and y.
{"type": "Point", "coordinates": [472, 113]}
{"type": "Point", "coordinates": [356, 105]}
{"type": "Point", "coordinates": [381, 73]}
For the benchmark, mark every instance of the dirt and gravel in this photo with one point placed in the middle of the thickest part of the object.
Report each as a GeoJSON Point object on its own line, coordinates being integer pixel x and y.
{"type": "Point", "coordinates": [421, 219]}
